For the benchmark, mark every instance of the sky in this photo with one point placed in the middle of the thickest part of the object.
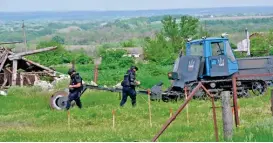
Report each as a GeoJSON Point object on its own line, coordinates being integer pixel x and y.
{"type": "Point", "coordinates": [83, 5]}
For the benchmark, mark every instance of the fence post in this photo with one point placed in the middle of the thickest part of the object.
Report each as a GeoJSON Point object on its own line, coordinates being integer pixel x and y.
{"type": "Point", "coordinates": [68, 118]}
{"type": "Point", "coordinates": [149, 104]}
{"type": "Point", "coordinates": [114, 114]}
{"type": "Point", "coordinates": [227, 115]}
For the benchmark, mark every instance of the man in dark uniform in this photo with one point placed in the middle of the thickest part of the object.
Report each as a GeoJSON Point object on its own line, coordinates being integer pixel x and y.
{"type": "Point", "coordinates": [128, 86]}
{"type": "Point", "coordinates": [75, 88]}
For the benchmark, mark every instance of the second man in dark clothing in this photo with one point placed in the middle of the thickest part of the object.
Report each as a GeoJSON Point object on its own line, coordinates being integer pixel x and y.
{"type": "Point", "coordinates": [75, 88]}
{"type": "Point", "coordinates": [128, 86]}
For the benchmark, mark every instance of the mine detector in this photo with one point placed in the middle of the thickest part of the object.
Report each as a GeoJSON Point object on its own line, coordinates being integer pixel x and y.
{"type": "Point", "coordinates": [207, 60]}
{"type": "Point", "coordinates": [59, 98]}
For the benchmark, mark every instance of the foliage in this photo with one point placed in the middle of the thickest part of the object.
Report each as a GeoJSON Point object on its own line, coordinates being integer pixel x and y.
{"type": "Point", "coordinates": [58, 56]}
{"type": "Point", "coordinates": [262, 45]}
{"type": "Point", "coordinates": [81, 57]}
{"type": "Point", "coordinates": [232, 26]}
{"type": "Point", "coordinates": [115, 59]}
{"type": "Point", "coordinates": [159, 50]}
{"type": "Point", "coordinates": [128, 43]}
{"type": "Point", "coordinates": [58, 39]}
{"type": "Point", "coordinates": [171, 39]}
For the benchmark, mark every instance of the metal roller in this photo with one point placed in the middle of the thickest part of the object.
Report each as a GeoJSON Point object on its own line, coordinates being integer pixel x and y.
{"type": "Point", "coordinates": [58, 100]}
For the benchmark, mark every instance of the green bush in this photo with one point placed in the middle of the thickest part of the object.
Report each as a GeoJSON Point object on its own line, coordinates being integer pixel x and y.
{"type": "Point", "coordinates": [114, 59]}
{"type": "Point", "coordinates": [58, 56]}
{"type": "Point", "coordinates": [129, 43]}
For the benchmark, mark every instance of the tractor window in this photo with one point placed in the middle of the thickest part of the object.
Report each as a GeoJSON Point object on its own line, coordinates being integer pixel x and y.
{"type": "Point", "coordinates": [230, 54]}
{"type": "Point", "coordinates": [217, 48]}
{"type": "Point", "coordinates": [197, 50]}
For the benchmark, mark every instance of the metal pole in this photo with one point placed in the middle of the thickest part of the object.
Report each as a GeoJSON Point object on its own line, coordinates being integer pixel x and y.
{"type": "Point", "coordinates": [24, 33]}
{"type": "Point", "coordinates": [235, 105]}
{"type": "Point", "coordinates": [248, 42]}
{"type": "Point", "coordinates": [187, 107]}
{"type": "Point", "coordinates": [165, 126]}
{"type": "Point", "coordinates": [272, 101]}
{"type": "Point", "coordinates": [214, 114]}
{"type": "Point", "coordinates": [215, 120]}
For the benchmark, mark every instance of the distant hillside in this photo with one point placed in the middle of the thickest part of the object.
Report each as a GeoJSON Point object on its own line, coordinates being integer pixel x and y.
{"type": "Point", "coordinates": [103, 15]}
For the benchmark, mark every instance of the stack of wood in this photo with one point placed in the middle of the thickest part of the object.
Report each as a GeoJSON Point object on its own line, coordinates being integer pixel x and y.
{"type": "Point", "coordinates": [17, 70]}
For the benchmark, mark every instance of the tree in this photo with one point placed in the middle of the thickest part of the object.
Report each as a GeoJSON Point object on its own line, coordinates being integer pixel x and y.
{"type": "Point", "coordinates": [58, 39]}
{"type": "Point", "coordinates": [171, 39]}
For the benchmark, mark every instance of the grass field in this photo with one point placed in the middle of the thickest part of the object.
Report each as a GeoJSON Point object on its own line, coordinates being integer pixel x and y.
{"type": "Point", "coordinates": [26, 116]}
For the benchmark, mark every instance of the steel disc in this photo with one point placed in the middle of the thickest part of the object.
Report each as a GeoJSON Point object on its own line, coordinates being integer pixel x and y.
{"type": "Point", "coordinates": [58, 100]}
{"type": "Point", "coordinates": [62, 101]}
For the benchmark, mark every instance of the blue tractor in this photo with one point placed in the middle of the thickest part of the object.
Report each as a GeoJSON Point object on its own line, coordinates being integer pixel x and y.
{"type": "Point", "coordinates": [211, 60]}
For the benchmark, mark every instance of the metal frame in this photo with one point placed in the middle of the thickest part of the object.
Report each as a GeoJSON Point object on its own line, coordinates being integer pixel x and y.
{"type": "Point", "coordinates": [200, 85]}
{"type": "Point", "coordinates": [235, 97]}
{"type": "Point", "coordinates": [235, 103]}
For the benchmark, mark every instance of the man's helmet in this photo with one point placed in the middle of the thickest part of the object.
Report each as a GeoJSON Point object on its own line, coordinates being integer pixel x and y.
{"type": "Point", "coordinates": [134, 67]}
{"type": "Point", "coordinates": [70, 71]}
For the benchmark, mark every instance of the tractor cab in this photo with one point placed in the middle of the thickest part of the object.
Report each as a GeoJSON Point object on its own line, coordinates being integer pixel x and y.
{"type": "Point", "coordinates": [217, 58]}
{"type": "Point", "coordinates": [205, 58]}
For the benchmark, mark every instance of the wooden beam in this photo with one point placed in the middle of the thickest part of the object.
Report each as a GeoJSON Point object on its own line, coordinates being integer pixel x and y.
{"type": "Point", "coordinates": [8, 75]}
{"type": "Point", "coordinates": [2, 43]}
{"type": "Point", "coordinates": [36, 64]}
{"type": "Point", "coordinates": [14, 72]}
{"type": "Point", "coordinates": [36, 78]}
{"type": "Point", "coordinates": [5, 79]}
{"type": "Point", "coordinates": [20, 55]}
{"type": "Point", "coordinates": [9, 70]}
{"type": "Point", "coordinates": [3, 61]}
{"type": "Point", "coordinates": [28, 80]}
{"type": "Point", "coordinates": [21, 79]}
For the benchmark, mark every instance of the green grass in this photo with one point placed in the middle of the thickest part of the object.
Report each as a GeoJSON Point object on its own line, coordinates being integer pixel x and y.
{"type": "Point", "coordinates": [26, 116]}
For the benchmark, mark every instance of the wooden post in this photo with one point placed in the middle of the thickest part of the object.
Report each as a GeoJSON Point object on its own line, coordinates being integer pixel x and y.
{"type": "Point", "coordinates": [97, 62]}
{"type": "Point", "coordinates": [149, 104]}
{"type": "Point", "coordinates": [68, 118]}
{"type": "Point", "coordinates": [14, 72]}
{"type": "Point", "coordinates": [171, 112]}
{"type": "Point", "coordinates": [227, 115]}
{"type": "Point", "coordinates": [119, 95]}
{"type": "Point", "coordinates": [36, 78]}
{"type": "Point", "coordinates": [73, 64]}
{"type": "Point", "coordinates": [21, 79]}
{"type": "Point", "coordinates": [5, 78]}
{"type": "Point", "coordinates": [96, 73]}
{"type": "Point", "coordinates": [113, 113]}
